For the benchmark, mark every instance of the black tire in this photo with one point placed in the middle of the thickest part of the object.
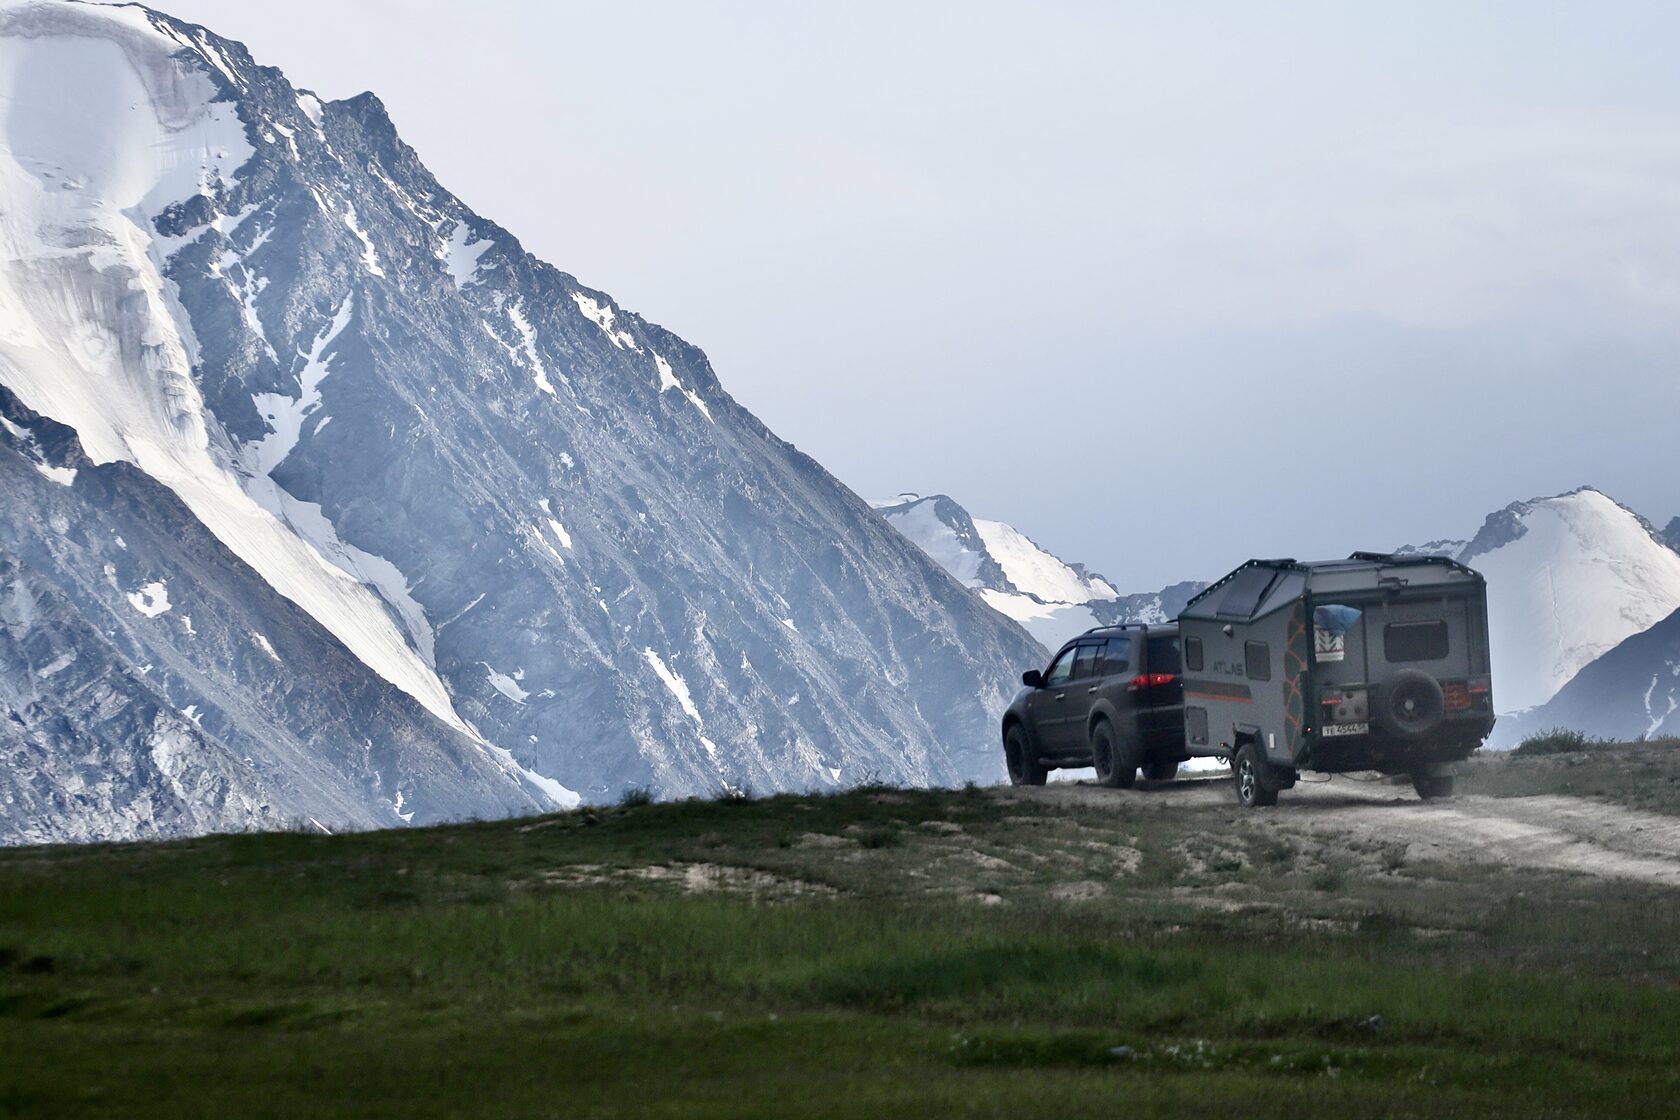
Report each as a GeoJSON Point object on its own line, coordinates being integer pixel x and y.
{"type": "Point", "coordinates": [1116, 768]}
{"type": "Point", "coordinates": [1253, 774]}
{"type": "Point", "coordinates": [1161, 769]}
{"type": "Point", "coordinates": [1432, 787]}
{"type": "Point", "coordinates": [1411, 705]}
{"type": "Point", "coordinates": [1024, 768]}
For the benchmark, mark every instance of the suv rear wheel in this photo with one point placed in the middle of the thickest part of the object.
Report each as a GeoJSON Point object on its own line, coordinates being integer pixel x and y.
{"type": "Point", "coordinates": [1024, 769]}
{"type": "Point", "coordinates": [1161, 770]}
{"type": "Point", "coordinates": [1116, 768]}
{"type": "Point", "coordinates": [1255, 787]}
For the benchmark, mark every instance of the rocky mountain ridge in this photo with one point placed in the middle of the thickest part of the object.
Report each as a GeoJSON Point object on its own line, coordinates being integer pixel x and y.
{"type": "Point", "coordinates": [535, 518]}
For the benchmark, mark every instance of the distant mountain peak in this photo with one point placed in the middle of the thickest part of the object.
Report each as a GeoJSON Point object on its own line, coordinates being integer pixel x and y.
{"type": "Point", "coordinates": [1052, 598]}
{"type": "Point", "coordinates": [1569, 577]}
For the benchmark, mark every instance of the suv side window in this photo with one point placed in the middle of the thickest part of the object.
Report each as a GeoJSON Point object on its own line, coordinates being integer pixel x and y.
{"type": "Point", "coordinates": [1117, 657]}
{"type": "Point", "coordinates": [1085, 664]}
{"type": "Point", "coordinates": [1058, 673]}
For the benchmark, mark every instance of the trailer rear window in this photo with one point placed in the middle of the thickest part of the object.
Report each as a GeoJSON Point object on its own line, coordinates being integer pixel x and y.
{"type": "Point", "coordinates": [1415, 641]}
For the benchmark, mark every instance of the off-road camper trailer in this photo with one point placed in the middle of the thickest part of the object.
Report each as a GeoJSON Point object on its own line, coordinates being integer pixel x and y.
{"type": "Point", "coordinates": [1375, 662]}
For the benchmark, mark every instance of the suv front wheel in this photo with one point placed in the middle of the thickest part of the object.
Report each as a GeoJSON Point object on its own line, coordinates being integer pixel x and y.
{"type": "Point", "coordinates": [1024, 769]}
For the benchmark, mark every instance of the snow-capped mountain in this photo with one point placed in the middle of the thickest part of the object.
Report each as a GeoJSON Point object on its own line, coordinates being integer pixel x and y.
{"type": "Point", "coordinates": [1671, 534]}
{"type": "Point", "coordinates": [1052, 598]}
{"type": "Point", "coordinates": [1569, 577]}
{"type": "Point", "coordinates": [455, 534]}
{"type": "Point", "coordinates": [1630, 693]}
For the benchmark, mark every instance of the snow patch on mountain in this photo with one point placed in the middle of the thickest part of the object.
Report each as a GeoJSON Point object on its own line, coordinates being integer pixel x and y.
{"type": "Point", "coordinates": [151, 599]}
{"type": "Point", "coordinates": [674, 683]}
{"type": "Point", "coordinates": [109, 127]}
{"type": "Point", "coordinates": [1037, 572]}
{"type": "Point", "coordinates": [604, 316]}
{"type": "Point", "coordinates": [507, 685]}
{"type": "Point", "coordinates": [461, 254]}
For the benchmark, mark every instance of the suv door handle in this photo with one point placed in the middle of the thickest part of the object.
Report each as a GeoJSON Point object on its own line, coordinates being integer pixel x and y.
{"type": "Point", "coordinates": [1061, 696]}
{"type": "Point", "coordinates": [1092, 690]}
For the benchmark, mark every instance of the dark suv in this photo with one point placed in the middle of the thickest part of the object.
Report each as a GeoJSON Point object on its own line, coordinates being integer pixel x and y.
{"type": "Point", "coordinates": [1111, 699]}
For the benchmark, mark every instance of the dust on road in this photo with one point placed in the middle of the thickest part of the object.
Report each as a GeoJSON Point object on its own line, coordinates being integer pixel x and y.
{"type": "Point", "coordinates": [1553, 833]}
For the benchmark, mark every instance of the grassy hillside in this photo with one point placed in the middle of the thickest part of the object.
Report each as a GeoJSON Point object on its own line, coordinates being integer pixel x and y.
{"type": "Point", "coordinates": [970, 953]}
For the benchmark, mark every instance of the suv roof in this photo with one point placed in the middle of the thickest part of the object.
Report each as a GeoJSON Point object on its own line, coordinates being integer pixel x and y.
{"type": "Point", "coordinates": [1120, 627]}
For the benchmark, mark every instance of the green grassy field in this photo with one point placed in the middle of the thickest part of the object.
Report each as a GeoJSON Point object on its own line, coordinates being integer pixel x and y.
{"type": "Point", "coordinates": [880, 953]}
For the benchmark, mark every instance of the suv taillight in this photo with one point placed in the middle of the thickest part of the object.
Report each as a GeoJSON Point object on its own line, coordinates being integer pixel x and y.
{"type": "Point", "coordinates": [1153, 680]}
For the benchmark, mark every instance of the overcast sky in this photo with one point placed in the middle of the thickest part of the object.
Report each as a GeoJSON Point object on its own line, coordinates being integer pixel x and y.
{"type": "Point", "coordinates": [1165, 285]}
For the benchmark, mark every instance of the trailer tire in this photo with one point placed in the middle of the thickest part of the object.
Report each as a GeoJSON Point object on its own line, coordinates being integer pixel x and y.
{"type": "Point", "coordinates": [1114, 760]}
{"type": "Point", "coordinates": [1253, 774]}
{"type": "Point", "coordinates": [1432, 787]}
{"type": "Point", "coordinates": [1024, 768]}
{"type": "Point", "coordinates": [1411, 705]}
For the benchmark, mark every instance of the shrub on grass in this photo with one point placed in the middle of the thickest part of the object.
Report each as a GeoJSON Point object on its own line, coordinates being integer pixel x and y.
{"type": "Point", "coordinates": [635, 797]}
{"type": "Point", "coordinates": [1557, 740]}
{"type": "Point", "coordinates": [882, 837]}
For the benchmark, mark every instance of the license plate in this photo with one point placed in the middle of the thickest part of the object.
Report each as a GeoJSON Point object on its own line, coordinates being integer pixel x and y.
{"type": "Point", "coordinates": [1347, 729]}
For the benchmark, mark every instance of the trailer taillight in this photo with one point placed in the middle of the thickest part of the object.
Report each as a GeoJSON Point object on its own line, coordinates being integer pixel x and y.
{"type": "Point", "coordinates": [1456, 696]}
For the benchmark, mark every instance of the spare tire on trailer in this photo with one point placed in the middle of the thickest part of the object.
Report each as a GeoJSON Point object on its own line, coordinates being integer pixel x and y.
{"type": "Point", "coordinates": [1411, 704]}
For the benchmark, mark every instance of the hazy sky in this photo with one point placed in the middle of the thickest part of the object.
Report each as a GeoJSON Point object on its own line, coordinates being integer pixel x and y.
{"type": "Point", "coordinates": [1165, 285]}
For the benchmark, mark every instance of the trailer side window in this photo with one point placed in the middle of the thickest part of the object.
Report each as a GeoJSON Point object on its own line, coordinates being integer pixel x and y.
{"type": "Point", "coordinates": [1415, 641]}
{"type": "Point", "coordinates": [1193, 654]}
{"type": "Point", "coordinates": [1257, 661]}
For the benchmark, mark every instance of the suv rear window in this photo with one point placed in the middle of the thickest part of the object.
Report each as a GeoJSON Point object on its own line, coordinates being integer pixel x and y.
{"type": "Point", "coordinates": [1163, 654]}
{"type": "Point", "coordinates": [1415, 641]}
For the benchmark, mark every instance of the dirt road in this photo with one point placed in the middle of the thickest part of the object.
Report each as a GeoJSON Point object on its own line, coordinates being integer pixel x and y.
{"type": "Point", "coordinates": [1550, 832]}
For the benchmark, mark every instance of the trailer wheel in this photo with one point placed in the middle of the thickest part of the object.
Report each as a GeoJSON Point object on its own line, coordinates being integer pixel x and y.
{"type": "Point", "coordinates": [1116, 768]}
{"type": "Point", "coordinates": [1253, 774]}
{"type": "Point", "coordinates": [1432, 787]}
{"type": "Point", "coordinates": [1024, 769]}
